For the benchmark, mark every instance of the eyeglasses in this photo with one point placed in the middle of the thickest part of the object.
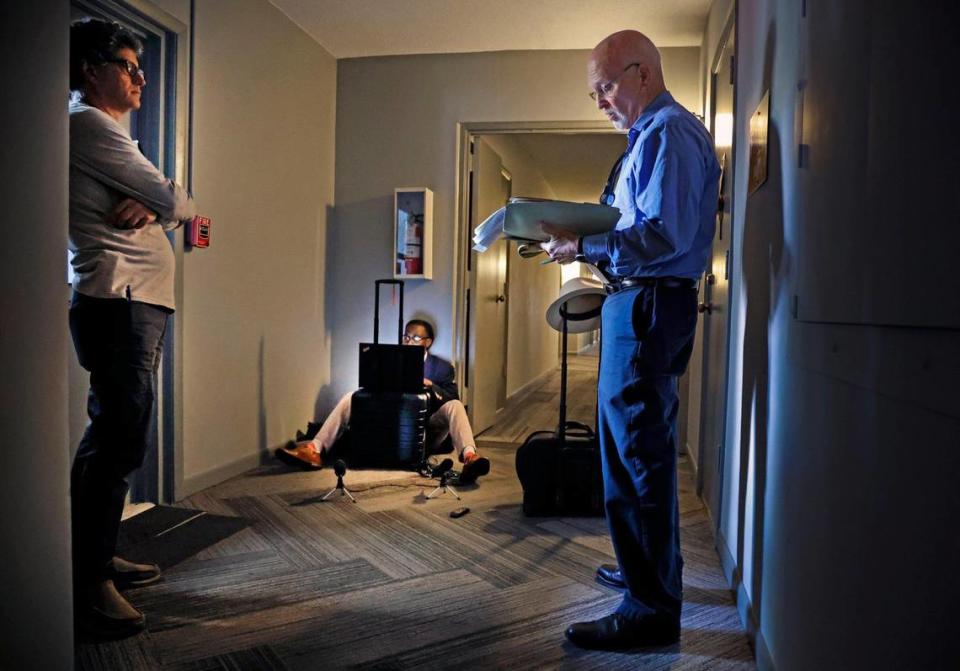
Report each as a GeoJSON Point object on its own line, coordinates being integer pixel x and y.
{"type": "Point", "coordinates": [131, 69]}
{"type": "Point", "coordinates": [409, 337]}
{"type": "Point", "coordinates": [604, 90]}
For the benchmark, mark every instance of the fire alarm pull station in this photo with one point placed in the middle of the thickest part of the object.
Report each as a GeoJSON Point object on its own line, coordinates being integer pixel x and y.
{"type": "Point", "coordinates": [198, 231]}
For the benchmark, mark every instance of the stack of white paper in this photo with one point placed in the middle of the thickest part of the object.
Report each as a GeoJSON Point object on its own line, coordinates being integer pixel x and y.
{"type": "Point", "coordinates": [489, 231]}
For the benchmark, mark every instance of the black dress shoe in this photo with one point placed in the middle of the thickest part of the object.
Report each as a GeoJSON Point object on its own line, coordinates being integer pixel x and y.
{"type": "Point", "coordinates": [615, 632]}
{"type": "Point", "coordinates": [474, 469]}
{"type": "Point", "coordinates": [611, 576]}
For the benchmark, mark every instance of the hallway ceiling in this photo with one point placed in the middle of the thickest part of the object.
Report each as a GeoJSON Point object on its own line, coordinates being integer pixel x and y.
{"type": "Point", "coordinates": [575, 166]}
{"type": "Point", "coordinates": [357, 28]}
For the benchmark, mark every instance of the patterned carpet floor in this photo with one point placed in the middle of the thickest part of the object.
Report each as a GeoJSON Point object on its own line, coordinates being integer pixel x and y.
{"type": "Point", "coordinates": [392, 582]}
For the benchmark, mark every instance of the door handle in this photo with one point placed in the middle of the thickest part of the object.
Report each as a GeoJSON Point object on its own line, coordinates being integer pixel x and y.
{"type": "Point", "coordinates": [501, 298]}
{"type": "Point", "coordinates": [705, 307]}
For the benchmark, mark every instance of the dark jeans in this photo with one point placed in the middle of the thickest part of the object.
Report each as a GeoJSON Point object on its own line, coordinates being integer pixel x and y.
{"type": "Point", "coordinates": [119, 342]}
{"type": "Point", "coordinates": [647, 340]}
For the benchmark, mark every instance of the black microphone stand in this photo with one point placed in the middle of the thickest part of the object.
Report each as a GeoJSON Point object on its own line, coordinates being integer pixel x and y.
{"type": "Point", "coordinates": [340, 468]}
{"type": "Point", "coordinates": [443, 487]}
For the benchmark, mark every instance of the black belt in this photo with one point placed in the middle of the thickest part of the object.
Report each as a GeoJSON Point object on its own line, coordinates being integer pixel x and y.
{"type": "Point", "coordinates": [620, 283]}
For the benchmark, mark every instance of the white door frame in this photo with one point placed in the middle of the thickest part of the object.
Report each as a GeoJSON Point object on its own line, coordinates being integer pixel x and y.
{"type": "Point", "coordinates": [463, 232]}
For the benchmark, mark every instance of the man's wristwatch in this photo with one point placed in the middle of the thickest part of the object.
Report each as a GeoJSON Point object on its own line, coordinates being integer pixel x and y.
{"type": "Point", "coordinates": [580, 256]}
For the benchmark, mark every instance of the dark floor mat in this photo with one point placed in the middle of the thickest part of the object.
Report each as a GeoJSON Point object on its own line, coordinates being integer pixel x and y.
{"type": "Point", "coordinates": [166, 536]}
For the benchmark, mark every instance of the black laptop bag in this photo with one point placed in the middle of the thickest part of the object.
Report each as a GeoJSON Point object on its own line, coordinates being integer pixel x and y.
{"type": "Point", "coordinates": [387, 428]}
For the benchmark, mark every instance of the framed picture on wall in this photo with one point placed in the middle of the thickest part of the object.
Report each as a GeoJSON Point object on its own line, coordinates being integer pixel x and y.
{"type": "Point", "coordinates": [759, 134]}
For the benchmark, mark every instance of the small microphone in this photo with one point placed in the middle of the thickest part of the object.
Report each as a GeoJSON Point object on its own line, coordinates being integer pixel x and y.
{"type": "Point", "coordinates": [340, 467]}
{"type": "Point", "coordinates": [442, 468]}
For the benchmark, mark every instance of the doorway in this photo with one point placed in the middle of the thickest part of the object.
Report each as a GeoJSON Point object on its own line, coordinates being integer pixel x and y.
{"type": "Point", "coordinates": [715, 289]}
{"type": "Point", "coordinates": [160, 128]}
{"type": "Point", "coordinates": [488, 291]}
{"type": "Point", "coordinates": [505, 349]}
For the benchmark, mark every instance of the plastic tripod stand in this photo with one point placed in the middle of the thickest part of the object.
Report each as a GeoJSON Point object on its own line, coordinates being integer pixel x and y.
{"type": "Point", "coordinates": [340, 469]}
{"type": "Point", "coordinates": [442, 488]}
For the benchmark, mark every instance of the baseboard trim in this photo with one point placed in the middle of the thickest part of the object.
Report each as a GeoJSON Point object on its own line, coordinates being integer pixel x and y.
{"type": "Point", "coordinates": [745, 608]}
{"type": "Point", "coordinates": [727, 562]}
{"type": "Point", "coordinates": [214, 476]}
{"type": "Point", "coordinates": [762, 653]}
{"type": "Point", "coordinates": [528, 388]}
{"type": "Point", "coordinates": [588, 348]}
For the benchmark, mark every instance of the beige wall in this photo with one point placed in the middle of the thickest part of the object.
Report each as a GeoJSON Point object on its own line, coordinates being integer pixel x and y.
{"type": "Point", "coordinates": [397, 126]}
{"type": "Point", "coordinates": [255, 340]}
{"type": "Point", "coordinates": [531, 343]}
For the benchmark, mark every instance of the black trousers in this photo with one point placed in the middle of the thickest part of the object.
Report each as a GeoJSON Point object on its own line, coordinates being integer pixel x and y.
{"type": "Point", "coordinates": [119, 342]}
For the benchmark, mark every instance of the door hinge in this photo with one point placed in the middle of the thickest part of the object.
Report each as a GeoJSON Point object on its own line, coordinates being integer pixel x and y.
{"type": "Point", "coordinates": [733, 68]}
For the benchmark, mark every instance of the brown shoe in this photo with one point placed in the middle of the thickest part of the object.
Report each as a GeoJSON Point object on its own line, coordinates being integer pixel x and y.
{"type": "Point", "coordinates": [126, 574]}
{"type": "Point", "coordinates": [104, 614]}
{"type": "Point", "coordinates": [302, 454]}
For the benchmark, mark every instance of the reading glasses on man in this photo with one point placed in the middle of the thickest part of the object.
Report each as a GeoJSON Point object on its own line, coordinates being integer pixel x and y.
{"type": "Point", "coordinates": [606, 89]}
{"type": "Point", "coordinates": [407, 337]}
{"type": "Point", "coordinates": [131, 69]}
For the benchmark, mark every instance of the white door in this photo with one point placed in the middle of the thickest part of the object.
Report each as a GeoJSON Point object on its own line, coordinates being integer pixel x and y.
{"type": "Point", "coordinates": [715, 298]}
{"type": "Point", "coordinates": [486, 351]}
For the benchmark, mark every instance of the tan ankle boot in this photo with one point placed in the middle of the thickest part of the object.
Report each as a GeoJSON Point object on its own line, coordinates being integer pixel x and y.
{"type": "Point", "coordinates": [126, 574]}
{"type": "Point", "coordinates": [106, 614]}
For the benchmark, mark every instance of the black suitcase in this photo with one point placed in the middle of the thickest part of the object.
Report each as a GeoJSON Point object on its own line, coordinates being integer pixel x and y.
{"type": "Point", "coordinates": [387, 428]}
{"type": "Point", "coordinates": [560, 471]}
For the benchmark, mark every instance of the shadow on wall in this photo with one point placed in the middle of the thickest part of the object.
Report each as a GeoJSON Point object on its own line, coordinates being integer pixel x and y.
{"type": "Point", "coordinates": [324, 402]}
{"type": "Point", "coordinates": [763, 242]}
{"type": "Point", "coordinates": [348, 299]}
{"type": "Point", "coordinates": [765, 262]}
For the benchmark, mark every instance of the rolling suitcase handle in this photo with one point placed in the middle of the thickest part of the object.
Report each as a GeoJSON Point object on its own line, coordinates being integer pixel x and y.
{"type": "Point", "coordinates": [569, 316]}
{"type": "Point", "coordinates": [577, 427]}
{"type": "Point", "coordinates": [376, 310]}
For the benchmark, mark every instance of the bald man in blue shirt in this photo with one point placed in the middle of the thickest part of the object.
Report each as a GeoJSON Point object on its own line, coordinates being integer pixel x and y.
{"type": "Point", "coordinates": [666, 190]}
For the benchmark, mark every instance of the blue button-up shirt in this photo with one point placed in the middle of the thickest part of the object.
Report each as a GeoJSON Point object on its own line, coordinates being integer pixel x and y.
{"type": "Point", "coordinates": [667, 194]}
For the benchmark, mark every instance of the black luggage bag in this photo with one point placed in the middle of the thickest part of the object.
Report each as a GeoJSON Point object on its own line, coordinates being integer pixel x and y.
{"type": "Point", "coordinates": [387, 428]}
{"type": "Point", "coordinates": [560, 471]}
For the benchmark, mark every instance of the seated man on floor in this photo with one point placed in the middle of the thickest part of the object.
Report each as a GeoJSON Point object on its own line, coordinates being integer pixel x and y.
{"type": "Point", "coordinates": [447, 415]}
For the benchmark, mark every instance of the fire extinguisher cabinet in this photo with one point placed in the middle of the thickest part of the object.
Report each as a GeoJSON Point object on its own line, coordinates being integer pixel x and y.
{"type": "Point", "coordinates": [413, 233]}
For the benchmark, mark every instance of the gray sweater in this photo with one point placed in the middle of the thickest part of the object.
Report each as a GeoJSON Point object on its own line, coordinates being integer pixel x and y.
{"type": "Point", "coordinates": [106, 166]}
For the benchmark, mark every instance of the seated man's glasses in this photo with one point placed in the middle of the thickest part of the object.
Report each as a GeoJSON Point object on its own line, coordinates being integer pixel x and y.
{"type": "Point", "coordinates": [409, 337]}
